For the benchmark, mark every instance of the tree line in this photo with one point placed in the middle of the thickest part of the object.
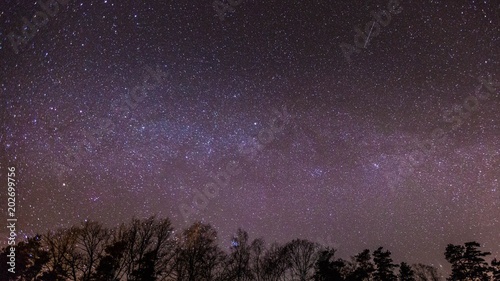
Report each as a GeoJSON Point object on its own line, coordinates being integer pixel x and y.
{"type": "Point", "coordinates": [149, 250]}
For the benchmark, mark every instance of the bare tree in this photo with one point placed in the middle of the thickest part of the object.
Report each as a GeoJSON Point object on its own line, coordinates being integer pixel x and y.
{"type": "Point", "coordinates": [164, 249]}
{"type": "Point", "coordinates": [65, 261]}
{"type": "Point", "coordinates": [75, 252]}
{"type": "Point", "coordinates": [302, 256]}
{"type": "Point", "coordinates": [198, 255]}
{"type": "Point", "coordinates": [237, 266]}
{"type": "Point", "coordinates": [360, 268]}
{"type": "Point", "coordinates": [275, 263]}
{"type": "Point", "coordinates": [257, 250]}
{"type": "Point", "coordinates": [91, 240]}
{"type": "Point", "coordinates": [141, 250]}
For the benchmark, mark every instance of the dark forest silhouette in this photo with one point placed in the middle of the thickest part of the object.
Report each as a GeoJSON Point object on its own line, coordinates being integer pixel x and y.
{"type": "Point", "coordinates": [150, 249]}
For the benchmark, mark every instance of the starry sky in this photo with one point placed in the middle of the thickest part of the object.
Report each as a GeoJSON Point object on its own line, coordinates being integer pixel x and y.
{"type": "Point", "coordinates": [288, 119]}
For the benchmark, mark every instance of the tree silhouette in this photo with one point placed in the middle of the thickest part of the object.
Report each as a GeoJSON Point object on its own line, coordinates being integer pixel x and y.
{"type": "Point", "coordinates": [149, 246]}
{"type": "Point", "coordinates": [64, 260]}
{"type": "Point", "coordinates": [30, 260]}
{"type": "Point", "coordinates": [362, 267]}
{"type": "Point", "coordinates": [148, 250]}
{"type": "Point", "coordinates": [257, 250]}
{"type": "Point", "coordinates": [467, 262]}
{"type": "Point", "coordinates": [238, 264]}
{"type": "Point", "coordinates": [406, 273]}
{"type": "Point", "coordinates": [328, 268]}
{"type": "Point", "coordinates": [146, 270]}
{"type": "Point", "coordinates": [425, 272]}
{"type": "Point", "coordinates": [384, 266]}
{"type": "Point", "coordinates": [495, 267]}
{"type": "Point", "coordinates": [91, 241]}
{"type": "Point", "coordinates": [136, 248]}
{"type": "Point", "coordinates": [275, 263]}
{"type": "Point", "coordinates": [302, 256]}
{"type": "Point", "coordinates": [198, 254]}
{"type": "Point", "coordinates": [109, 264]}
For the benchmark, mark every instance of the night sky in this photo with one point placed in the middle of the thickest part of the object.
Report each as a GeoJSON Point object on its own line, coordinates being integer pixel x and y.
{"type": "Point", "coordinates": [290, 119]}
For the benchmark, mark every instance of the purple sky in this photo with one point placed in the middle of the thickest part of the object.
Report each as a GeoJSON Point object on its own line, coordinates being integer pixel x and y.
{"type": "Point", "coordinates": [113, 110]}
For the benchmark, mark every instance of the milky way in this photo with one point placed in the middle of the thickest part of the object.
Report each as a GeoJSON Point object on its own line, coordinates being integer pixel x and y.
{"type": "Point", "coordinates": [289, 120]}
